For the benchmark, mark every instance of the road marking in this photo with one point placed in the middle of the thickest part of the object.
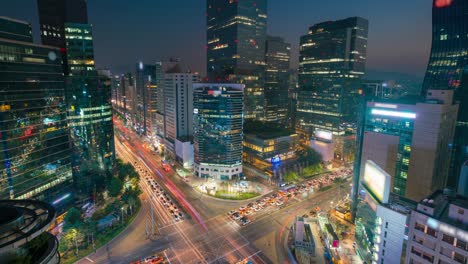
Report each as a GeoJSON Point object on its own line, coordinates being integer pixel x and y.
{"type": "Point", "coordinates": [90, 260]}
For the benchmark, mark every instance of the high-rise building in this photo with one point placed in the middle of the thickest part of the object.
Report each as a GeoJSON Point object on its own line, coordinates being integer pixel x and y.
{"type": "Point", "coordinates": [438, 230]}
{"type": "Point", "coordinates": [277, 58]}
{"type": "Point", "coordinates": [236, 34]}
{"type": "Point", "coordinates": [13, 29]}
{"type": "Point", "coordinates": [35, 146]}
{"type": "Point", "coordinates": [331, 65]}
{"type": "Point", "coordinates": [448, 68]}
{"type": "Point", "coordinates": [409, 138]}
{"type": "Point", "coordinates": [89, 110]}
{"type": "Point", "coordinates": [178, 107]}
{"type": "Point", "coordinates": [53, 14]}
{"type": "Point", "coordinates": [159, 118]}
{"type": "Point", "coordinates": [218, 122]}
{"type": "Point", "coordinates": [145, 78]}
{"type": "Point", "coordinates": [382, 218]}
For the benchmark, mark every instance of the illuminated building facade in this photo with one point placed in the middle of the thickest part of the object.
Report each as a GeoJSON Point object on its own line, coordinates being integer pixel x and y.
{"type": "Point", "coordinates": [438, 231]}
{"type": "Point", "coordinates": [409, 138]}
{"type": "Point", "coordinates": [382, 219]}
{"type": "Point", "coordinates": [178, 107]}
{"type": "Point", "coordinates": [145, 78]}
{"type": "Point", "coordinates": [89, 110]}
{"type": "Point", "coordinates": [277, 58]}
{"type": "Point", "coordinates": [448, 68]}
{"type": "Point", "coordinates": [53, 14]}
{"type": "Point", "coordinates": [236, 34]}
{"type": "Point", "coordinates": [35, 146]}
{"type": "Point", "coordinates": [218, 122]}
{"type": "Point", "coordinates": [159, 117]}
{"type": "Point", "coordinates": [331, 65]}
{"type": "Point", "coordinates": [268, 147]}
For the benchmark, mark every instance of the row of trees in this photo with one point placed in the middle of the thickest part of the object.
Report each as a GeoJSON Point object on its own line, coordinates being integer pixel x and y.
{"type": "Point", "coordinates": [311, 164]}
{"type": "Point", "coordinates": [123, 191]}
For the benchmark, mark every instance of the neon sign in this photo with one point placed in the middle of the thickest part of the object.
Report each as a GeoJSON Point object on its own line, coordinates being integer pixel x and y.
{"type": "Point", "coordinates": [443, 3]}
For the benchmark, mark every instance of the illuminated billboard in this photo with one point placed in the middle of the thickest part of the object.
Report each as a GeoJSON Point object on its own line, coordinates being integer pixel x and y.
{"type": "Point", "coordinates": [393, 113]}
{"type": "Point", "coordinates": [324, 135]}
{"type": "Point", "coordinates": [377, 181]}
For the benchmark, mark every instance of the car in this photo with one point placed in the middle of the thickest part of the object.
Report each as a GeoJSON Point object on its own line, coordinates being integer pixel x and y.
{"type": "Point", "coordinates": [246, 222]}
{"type": "Point", "coordinates": [279, 203]}
{"type": "Point", "coordinates": [180, 215]}
{"type": "Point", "coordinates": [247, 212]}
{"type": "Point", "coordinates": [256, 209]}
{"type": "Point", "coordinates": [175, 208]}
{"type": "Point", "coordinates": [172, 212]}
{"type": "Point", "coordinates": [250, 205]}
{"type": "Point", "coordinates": [242, 208]}
{"type": "Point", "coordinates": [317, 209]}
{"type": "Point", "coordinates": [176, 218]}
{"type": "Point", "coordinates": [231, 212]}
{"type": "Point", "coordinates": [236, 216]}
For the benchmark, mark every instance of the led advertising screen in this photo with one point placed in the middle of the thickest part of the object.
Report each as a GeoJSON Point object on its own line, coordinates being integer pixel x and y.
{"type": "Point", "coordinates": [377, 181]}
{"type": "Point", "coordinates": [323, 135]}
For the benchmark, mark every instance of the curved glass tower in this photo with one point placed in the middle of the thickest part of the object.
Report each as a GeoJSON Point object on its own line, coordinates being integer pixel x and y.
{"type": "Point", "coordinates": [448, 68]}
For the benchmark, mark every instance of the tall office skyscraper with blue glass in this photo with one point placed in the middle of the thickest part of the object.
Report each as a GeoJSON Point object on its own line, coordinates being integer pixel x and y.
{"type": "Point", "coordinates": [218, 130]}
{"type": "Point", "coordinates": [236, 35]}
{"type": "Point", "coordinates": [64, 24]}
{"type": "Point", "coordinates": [34, 143]}
{"type": "Point", "coordinates": [448, 68]}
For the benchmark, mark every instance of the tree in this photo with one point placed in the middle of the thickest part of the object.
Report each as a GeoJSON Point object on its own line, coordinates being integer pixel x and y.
{"type": "Point", "coordinates": [115, 187]}
{"type": "Point", "coordinates": [72, 218]}
{"type": "Point", "coordinates": [309, 155]}
{"type": "Point", "coordinates": [291, 176]}
{"type": "Point", "coordinates": [312, 169]}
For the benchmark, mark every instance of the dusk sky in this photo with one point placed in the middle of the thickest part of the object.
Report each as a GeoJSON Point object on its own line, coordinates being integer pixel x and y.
{"type": "Point", "coordinates": [126, 31]}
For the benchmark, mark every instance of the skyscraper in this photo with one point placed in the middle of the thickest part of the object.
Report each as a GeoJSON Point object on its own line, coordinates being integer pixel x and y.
{"type": "Point", "coordinates": [89, 110]}
{"type": "Point", "coordinates": [35, 145]}
{"type": "Point", "coordinates": [332, 62]}
{"type": "Point", "coordinates": [236, 34]}
{"type": "Point", "coordinates": [53, 14]}
{"type": "Point", "coordinates": [409, 138]}
{"type": "Point", "coordinates": [218, 122]}
{"type": "Point", "coordinates": [178, 107]}
{"type": "Point", "coordinates": [448, 68]}
{"type": "Point", "coordinates": [145, 77]}
{"type": "Point", "coordinates": [277, 56]}
{"type": "Point", "coordinates": [159, 117]}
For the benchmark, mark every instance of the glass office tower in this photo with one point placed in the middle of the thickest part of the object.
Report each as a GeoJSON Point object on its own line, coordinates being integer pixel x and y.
{"type": "Point", "coordinates": [448, 68]}
{"type": "Point", "coordinates": [89, 111]}
{"type": "Point", "coordinates": [236, 34]}
{"type": "Point", "coordinates": [218, 125]}
{"type": "Point", "coordinates": [332, 62]}
{"type": "Point", "coordinates": [53, 14]}
{"type": "Point", "coordinates": [277, 56]}
{"type": "Point", "coordinates": [145, 77]}
{"type": "Point", "coordinates": [35, 148]}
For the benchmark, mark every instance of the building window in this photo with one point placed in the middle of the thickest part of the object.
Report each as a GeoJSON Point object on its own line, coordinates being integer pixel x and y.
{"type": "Point", "coordinates": [431, 232]}
{"type": "Point", "coordinates": [384, 243]}
{"type": "Point", "coordinates": [461, 244]}
{"type": "Point", "coordinates": [386, 224]}
{"type": "Point", "coordinates": [448, 239]}
{"type": "Point", "coordinates": [385, 234]}
{"type": "Point", "coordinates": [419, 227]}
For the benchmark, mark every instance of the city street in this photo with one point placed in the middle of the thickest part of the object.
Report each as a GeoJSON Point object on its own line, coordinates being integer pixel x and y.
{"type": "Point", "coordinates": [207, 235]}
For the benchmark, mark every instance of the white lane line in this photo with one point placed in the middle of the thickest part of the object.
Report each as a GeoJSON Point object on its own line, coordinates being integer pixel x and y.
{"type": "Point", "coordinates": [90, 260]}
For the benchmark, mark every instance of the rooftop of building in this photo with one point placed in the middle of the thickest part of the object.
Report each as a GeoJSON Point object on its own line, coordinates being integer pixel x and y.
{"type": "Point", "coordinates": [14, 20]}
{"type": "Point", "coordinates": [266, 130]}
{"type": "Point", "coordinates": [440, 204]}
{"type": "Point", "coordinates": [400, 204]}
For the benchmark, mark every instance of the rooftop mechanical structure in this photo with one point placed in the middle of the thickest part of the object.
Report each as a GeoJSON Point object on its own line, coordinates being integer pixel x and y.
{"type": "Point", "coordinates": [21, 224]}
